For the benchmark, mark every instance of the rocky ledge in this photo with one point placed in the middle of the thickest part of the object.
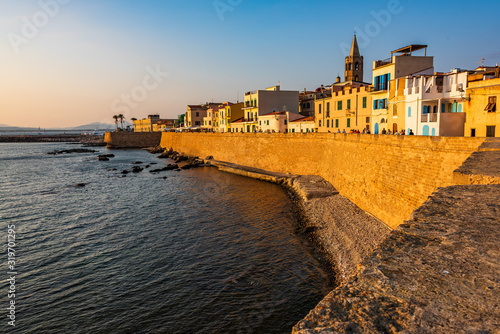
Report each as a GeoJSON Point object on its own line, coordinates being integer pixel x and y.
{"type": "Point", "coordinates": [437, 273]}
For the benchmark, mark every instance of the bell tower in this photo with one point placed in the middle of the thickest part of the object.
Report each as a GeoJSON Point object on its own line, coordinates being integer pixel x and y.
{"type": "Point", "coordinates": [354, 63]}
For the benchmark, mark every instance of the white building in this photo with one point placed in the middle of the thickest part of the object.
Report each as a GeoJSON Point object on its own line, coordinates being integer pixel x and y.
{"type": "Point", "coordinates": [434, 103]}
{"type": "Point", "coordinates": [304, 124]}
{"type": "Point", "coordinates": [276, 121]}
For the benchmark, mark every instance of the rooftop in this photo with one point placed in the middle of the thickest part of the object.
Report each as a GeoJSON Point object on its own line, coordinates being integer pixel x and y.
{"type": "Point", "coordinates": [409, 49]}
{"type": "Point", "coordinates": [305, 119]}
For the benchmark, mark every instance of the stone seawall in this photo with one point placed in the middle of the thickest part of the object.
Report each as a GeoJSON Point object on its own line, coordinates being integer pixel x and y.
{"type": "Point", "coordinates": [132, 139]}
{"type": "Point", "coordinates": [387, 176]}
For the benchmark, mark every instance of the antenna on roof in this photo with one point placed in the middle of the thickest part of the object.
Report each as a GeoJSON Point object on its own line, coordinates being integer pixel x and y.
{"type": "Point", "coordinates": [238, 97]}
{"type": "Point", "coordinates": [481, 61]}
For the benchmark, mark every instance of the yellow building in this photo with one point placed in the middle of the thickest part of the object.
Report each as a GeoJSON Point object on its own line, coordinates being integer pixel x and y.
{"type": "Point", "coordinates": [231, 113]}
{"type": "Point", "coordinates": [346, 107]}
{"type": "Point", "coordinates": [146, 124]}
{"type": "Point", "coordinates": [483, 92]}
{"type": "Point", "coordinates": [401, 64]}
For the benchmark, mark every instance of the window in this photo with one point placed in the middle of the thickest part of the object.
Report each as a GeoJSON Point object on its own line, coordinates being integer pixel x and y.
{"type": "Point", "coordinates": [350, 66]}
{"type": "Point", "coordinates": [364, 102]}
{"type": "Point", "coordinates": [368, 120]}
{"type": "Point", "coordinates": [319, 108]}
{"type": "Point", "coordinates": [348, 104]}
{"type": "Point", "coordinates": [409, 111]}
{"type": "Point", "coordinates": [492, 104]}
{"type": "Point", "coordinates": [327, 123]}
{"type": "Point", "coordinates": [308, 105]}
{"type": "Point", "coordinates": [339, 105]}
{"type": "Point", "coordinates": [328, 109]}
{"type": "Point", "coordinates": [380, 104]}
{"type": "Point", "coordinates": [472, 132]}
{"type": "Point", "coordinates": [255, 103]}
{"type": "Point", "coordinates": [197, 114]}
{"type": "Point", "coordinates": [382, 82]}
{"type": "Point", "coordinates": [319, 122]}
{"type": "Point", "coordinates": [356, 66]}
{"type": "Point", "coordinates": [348, 122]}
{"type": "Point", "coordinates": [267, 122]}
{"type": "Point", "coordinates": [337, 123]}
{"type": "Point", "coordinates": [395, 110]}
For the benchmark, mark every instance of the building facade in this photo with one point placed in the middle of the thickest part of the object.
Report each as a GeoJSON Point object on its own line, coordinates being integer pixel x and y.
{"type": "Point", "coordinates": [302, 125]}
{"type": "Point", "coordinates": [435, 103]}
{"type": "Point", "coordinates": [346, 108]}
{"type": "Point", "coordinates": [481, 108]}
{"type": "Point", "coordinates": [196, 113]}
{"type": "Point", "coordinates": [401, 64]}
{"type": "Point", "coordinates": [261, 102]}
{"type": "Point", "coordinates": [146, 124]}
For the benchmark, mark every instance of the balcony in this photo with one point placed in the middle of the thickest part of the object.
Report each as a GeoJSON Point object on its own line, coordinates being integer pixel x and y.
{"type": "Point", "coordinates": [249, 120]}
{"type": "Point", "coordinates": [429, 118]}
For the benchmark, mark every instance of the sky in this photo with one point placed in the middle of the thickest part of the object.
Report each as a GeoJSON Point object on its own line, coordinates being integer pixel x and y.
{"type": "Point", "coordinates": [66, 63]}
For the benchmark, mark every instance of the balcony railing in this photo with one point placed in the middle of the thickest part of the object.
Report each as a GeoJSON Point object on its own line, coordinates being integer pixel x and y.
{"type": "Point", "coordinates": [429, 118]}
{"type": "Point", "coordinates": [249, 120]}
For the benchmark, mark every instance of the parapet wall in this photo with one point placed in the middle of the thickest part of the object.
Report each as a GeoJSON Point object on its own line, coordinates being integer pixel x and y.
{"type": "Point", "coordinates": [132, 139]}
{"type": "Point", "coordinates": [387, 176]}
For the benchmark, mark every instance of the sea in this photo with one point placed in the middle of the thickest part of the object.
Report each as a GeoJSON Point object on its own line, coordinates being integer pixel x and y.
{"type": "Point", "coordinates": [89, 248]}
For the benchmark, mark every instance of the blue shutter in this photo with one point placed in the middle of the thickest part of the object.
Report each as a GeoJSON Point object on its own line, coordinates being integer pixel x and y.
{"type": "Point", "coordinates": [375, 104]}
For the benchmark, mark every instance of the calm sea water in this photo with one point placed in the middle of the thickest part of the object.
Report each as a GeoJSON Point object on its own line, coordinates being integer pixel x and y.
{"type": "Point", "coordinates": [198, 252]}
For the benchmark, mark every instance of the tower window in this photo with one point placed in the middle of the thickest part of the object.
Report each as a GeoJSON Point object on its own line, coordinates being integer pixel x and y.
{"type": "Point", "coordinates": [350, 66]}
{"type": "Point", "coordinates": [356, 66]}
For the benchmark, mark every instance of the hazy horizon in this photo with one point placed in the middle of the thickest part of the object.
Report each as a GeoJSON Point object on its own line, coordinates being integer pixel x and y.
{"type": "Point", "coordinates": [67, 63]}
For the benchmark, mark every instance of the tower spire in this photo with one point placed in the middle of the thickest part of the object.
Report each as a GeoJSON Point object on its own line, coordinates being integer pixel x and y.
{"type": "Point", "coordinates": [354, 48]}
{"type": "Point", "coordinates": [354, 63]}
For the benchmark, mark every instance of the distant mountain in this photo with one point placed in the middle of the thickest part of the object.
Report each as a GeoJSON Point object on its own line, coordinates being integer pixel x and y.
{"type": "Point", "coordinates": [5, 127]}
{"type": "Point", "coordinates": [95, 126]}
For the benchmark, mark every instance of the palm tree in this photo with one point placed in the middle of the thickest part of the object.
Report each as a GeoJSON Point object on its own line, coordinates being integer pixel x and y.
{"type": "Point", "coordinates": [121, 117]}
{"type": "Point", "coordinates": [116, 121]}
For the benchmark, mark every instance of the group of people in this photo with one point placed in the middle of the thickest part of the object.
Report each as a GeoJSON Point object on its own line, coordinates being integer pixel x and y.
{"type": "Point", "coordinates": [384, 132]}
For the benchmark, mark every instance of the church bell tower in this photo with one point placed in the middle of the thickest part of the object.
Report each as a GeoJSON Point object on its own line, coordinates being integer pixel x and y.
{"type": "Point", "coordinates": [354, 63]}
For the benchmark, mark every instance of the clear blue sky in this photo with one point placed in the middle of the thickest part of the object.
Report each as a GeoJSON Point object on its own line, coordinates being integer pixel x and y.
{"type": "Point", "coordinates": [84, 56]}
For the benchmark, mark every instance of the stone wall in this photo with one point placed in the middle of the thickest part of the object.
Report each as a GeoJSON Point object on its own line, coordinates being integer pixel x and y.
{"type": "Point", "coordinates": [132, 139]}
{"type": "Point", "coordinates": [387, 176]}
